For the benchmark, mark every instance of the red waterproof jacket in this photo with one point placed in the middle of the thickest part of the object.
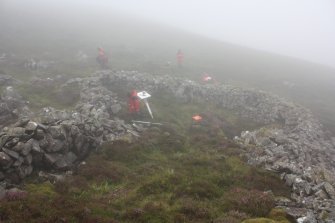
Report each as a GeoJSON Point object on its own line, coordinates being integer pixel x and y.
{"type": "Point", "coordinates": [180, 57]}
{"type": "Point", "coordinates": [101, 52]}
{"type": "Point", "coordinates": [134, 102]}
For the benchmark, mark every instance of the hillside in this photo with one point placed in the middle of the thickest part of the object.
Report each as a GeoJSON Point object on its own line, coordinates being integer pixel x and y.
{"type": "Point", "coordinates": [134, 44]}
{"type": "Point", "coordinates": [157, 173]}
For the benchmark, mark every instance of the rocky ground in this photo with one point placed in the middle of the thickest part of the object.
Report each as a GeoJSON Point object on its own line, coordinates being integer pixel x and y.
{"type": "Point", "coordinates": [291, 143]}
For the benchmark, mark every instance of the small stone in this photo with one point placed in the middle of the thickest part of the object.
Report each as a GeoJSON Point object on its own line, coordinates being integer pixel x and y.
{"type": "Point", "coordinates": [57, 132]}
{"type": "Point", "coordinates": [25, 171]}
{"type": "Point", "coordinates": [18, 147]}
{"type": "Point", "coordinates": [28, 159]}
{"type": "Point", "coordinates": [115, 108]}
{"type": "Point", "coordinates": [321, 194]}
{"type": "Point", "coordinates": [52, 158]}
{"type": "Point", "coordinates": [43, 143]}
{"type": "Point", "coordinates": [22, 122]}
{"type": "Point", "coordinates": [12, 142]}
{"type": "Point", "coordinates": [330, 190]}
{"type": "Point", "coordinates": [27, 147]}
{"type": "Point", "coordinates": [66, 161]}
{"type": "Point", "coordinates": [16, 131]}
{"type": "Point", "coordinates": [74, 130]}
{"type": "Point", "coordinates": [55, 146]}
{"type": "Point", "coordinates": [36, 147]}
{"type": "Point", "coordinates": [42, 127]}
{"type": "Point", "coordinates": [308, 189]}
{"type": "Point", "coordinates": [5, 160]}
{"type": "Point", "coordinates": [31, 127]}
{"type": "Point", "coordinates": [11, 153]}
{"type": "Point", "coordinates": [39, 134]}
{"type": "Point", "coordinates": [18, 162]}
{"type": "Point", "coordinates": [290, 179]}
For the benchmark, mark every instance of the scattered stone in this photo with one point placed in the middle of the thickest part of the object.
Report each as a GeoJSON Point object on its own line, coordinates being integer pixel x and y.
{"type": "Point", "coordinates": [18, 147]}
{"type": "Point", "coordinates": [28, 159]}
{"type": "Point", "coordinates": [36, 146]}
{"type": "Point", "coordinates": [297, 147]}
{"type": "Point", "coordinates": [27, 147]}
{"type": "Point", "coordinates": [66, 161]}
{"type": "Point", "coordinates": [52, 158]}
{"type": "Point", "coordinates": [11, 153]}
{"type": "Point", "coordinates": [330, 190]}
{"type": "Point", "coordinates": [55, 145]}
{"type": "Point", "coordinates": [115, 108]}
{"type": "Point", "coordinates": [31, 127]}
{"type": "Point", "coordinates": [5, 160]}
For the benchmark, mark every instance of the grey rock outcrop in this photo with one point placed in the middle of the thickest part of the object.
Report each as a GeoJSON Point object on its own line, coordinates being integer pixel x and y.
{"type": "Point", "coordinates": [297, 147]}
{"type": "Point", "coordinates": [57, 140]}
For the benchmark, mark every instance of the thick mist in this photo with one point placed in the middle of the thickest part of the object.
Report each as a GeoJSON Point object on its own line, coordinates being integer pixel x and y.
{"type": "Point", "coordinates": [146, 36]}
{"type": "Point", "coordinates": [302, 29]}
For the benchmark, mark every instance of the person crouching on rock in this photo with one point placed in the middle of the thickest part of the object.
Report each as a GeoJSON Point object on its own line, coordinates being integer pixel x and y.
{"type": "Point", "coordinates": [102, 58]}
{"type": "Point", "coordinates": [134, 103]}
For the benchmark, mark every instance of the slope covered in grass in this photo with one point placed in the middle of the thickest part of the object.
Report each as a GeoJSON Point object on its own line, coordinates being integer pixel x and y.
{"type": "Point", "coordinates": [179, 172]}
{"type": "Point", "coordinates": [134, 44]}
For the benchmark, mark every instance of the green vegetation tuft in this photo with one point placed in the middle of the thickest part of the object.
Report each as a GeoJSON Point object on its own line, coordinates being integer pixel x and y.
{"type": "Point", "coordinates": [180, 172]}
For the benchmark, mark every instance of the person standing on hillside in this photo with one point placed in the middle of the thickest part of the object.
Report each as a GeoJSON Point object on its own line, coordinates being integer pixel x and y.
{"type": "Point", "coordinates": [180, 58]}
{"type": "Point", "coordinates": [102, 58]}
{"type": "Point", "coordinates": [134, 103]}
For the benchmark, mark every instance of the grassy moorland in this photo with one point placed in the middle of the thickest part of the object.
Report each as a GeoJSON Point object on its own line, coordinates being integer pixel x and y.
{"type": "Point", "coordinates": [134, 44]}
{"type": "Point", "coordinates": [179, 172]}
{"type": "Point", "coordinates": [176, 173]}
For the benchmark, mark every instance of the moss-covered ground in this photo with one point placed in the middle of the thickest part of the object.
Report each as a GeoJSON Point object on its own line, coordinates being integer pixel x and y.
{"type": "Point", "coordinates": [181, 171]}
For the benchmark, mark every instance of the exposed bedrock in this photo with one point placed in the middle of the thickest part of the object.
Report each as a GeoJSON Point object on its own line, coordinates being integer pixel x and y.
{"type": "Point", "coordinates": [292, 142]}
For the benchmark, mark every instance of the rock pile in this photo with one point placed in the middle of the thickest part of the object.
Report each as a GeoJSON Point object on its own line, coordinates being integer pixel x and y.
{"type": "Point", "coordinates": [28, 144]}
{"type": "Point", "coordinates": [33, 64]}
{"type": "Point", "coordinates": [57, 140]}
{"type": "Point", "coordinates": [298, 148]}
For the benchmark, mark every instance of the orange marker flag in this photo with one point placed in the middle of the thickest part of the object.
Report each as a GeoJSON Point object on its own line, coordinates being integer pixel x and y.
{"type": "Point", "coordinates": [197, 118]}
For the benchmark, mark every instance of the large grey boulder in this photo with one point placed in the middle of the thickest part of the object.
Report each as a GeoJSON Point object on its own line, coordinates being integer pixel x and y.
{"type": "Point", "coordinates": [24, 171]}
{"type": "Point", "coordinates": [115, 108]}
{"type": "Point", "coordinates": [11, 153]}
{"type": "Point", "coordinates": [5, 160]}
{"type": "Point", "coordinates": [66, 161]}
{"type": "Point", "coordinates": [57, 132]}
{"type": "Point", "coordinates": [27, 147]}
{"type": "Point", "coordinates": [55, 145]}
{"type": "Point", "coordinates": [330, 190]}
{"type": "Point", "coordinates": [51, 158]}
{"type": "Point", "coordinates": [18, 147]}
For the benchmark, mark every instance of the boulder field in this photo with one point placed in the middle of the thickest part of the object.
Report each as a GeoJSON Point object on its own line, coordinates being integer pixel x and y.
{"type": "Point", "coordinates": [291, 142]}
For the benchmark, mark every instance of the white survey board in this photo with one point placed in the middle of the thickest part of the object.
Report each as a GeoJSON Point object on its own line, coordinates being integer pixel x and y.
{"type": "Point", "coordinates": [143, 95]}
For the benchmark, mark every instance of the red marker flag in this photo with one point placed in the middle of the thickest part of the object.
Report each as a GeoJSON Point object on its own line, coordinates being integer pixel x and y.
{"type": "Point", "coordinates": [197, 118]}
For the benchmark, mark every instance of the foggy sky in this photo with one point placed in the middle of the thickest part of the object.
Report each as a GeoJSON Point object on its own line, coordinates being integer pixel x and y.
{"type": "Point", "coordinates": [298, 28]}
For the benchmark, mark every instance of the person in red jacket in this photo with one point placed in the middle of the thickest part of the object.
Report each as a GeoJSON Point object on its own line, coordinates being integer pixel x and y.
{"type": "Point", "coordinates": [180, 58]}
{"type": "Point", "coordinates": [134, 102]}
{"type": "Point", "coordinates": [102, 58]}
